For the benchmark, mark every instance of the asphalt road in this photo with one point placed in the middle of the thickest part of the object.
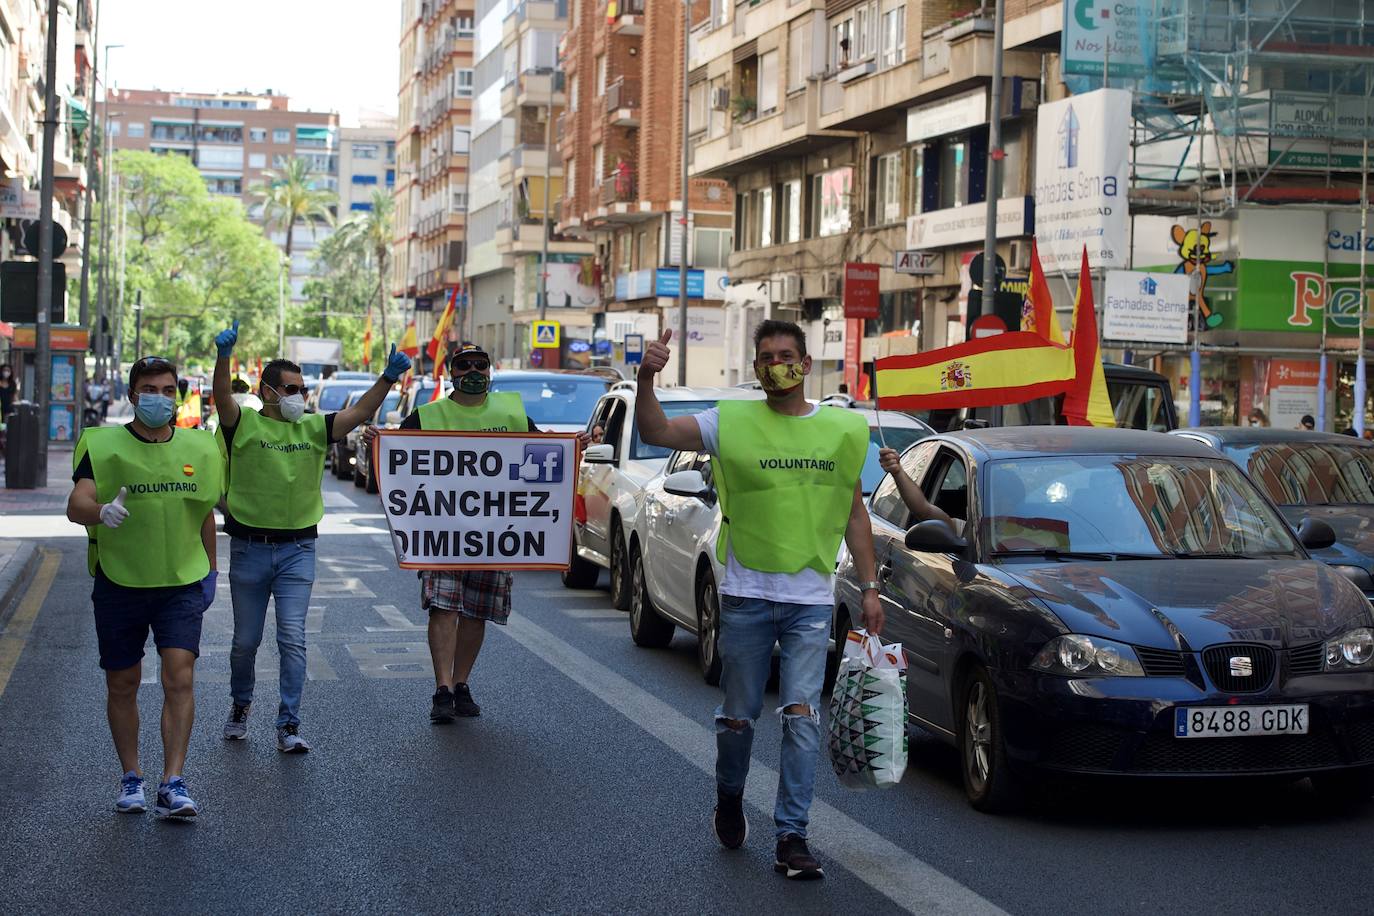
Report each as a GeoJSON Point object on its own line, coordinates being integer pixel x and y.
{"type": "Point", "coordinates": [584, 787]}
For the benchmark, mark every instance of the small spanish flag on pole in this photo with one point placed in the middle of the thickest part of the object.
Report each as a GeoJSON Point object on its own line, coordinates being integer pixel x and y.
{"type": "Point", "coordinates": [1087, 402]}
{"type": "Point", "coordinates": [409, 345]}
{"type": "Point", "coordinates": [441, 328]}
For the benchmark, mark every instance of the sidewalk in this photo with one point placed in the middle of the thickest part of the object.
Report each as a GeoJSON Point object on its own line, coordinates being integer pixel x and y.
{"type": "Point", "coordinates": [18, 560]}
{"type": "Point", "coordinates": [44, 500]}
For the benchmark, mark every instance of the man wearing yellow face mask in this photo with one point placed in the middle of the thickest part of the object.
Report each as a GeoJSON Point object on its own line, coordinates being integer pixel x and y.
{"type": "Point", "coordinates": [787, 473]}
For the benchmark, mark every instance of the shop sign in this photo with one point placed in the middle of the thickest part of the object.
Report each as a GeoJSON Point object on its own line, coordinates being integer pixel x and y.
{"type": "Point", "coordinates": [60, 338]}
{"type": "Point", "coordinates": [918, 263]}
{"type": "Point", "coordinates": [17, 201]}
{"type": "Point", "coordinates": [1309, 130]}
{"type": "Point", "coordinates": [1145, 307]}
{"type": "Point", "coordinates": [706, 327]}
{"type": "Point", "coordinates": [947, 116]}
{"type": "Point", "coordinates": [861, 290]}
{"type": "Point", "coordinates": [1293, 390]}
{"type": "Point", "coordinates": [961, 225]}
{"type": "Point", "coordinates": [1108, 33]}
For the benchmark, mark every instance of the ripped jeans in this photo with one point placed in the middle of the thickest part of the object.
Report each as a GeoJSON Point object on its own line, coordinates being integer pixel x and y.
{"type": "Point", "coordinates": [749, 628]}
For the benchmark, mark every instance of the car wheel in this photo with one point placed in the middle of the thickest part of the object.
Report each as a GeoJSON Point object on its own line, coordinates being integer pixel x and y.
{"type": "Point", "coordinates": [708, 628]}
{"type": "Point", "coordinates": [647, 628]}
{"type": "Point", "coordinates": [359, 480]}
{"type": "Point", "coordinates": [988, 779]}
{"type": "Point", "coordinates": [1343, 786]}
{"type": "Point", "coordinates": [620, 591]}
{"type": "Point", "coordinates": [580, 573]}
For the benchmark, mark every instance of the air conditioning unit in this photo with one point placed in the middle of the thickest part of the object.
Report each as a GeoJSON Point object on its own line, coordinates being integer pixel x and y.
{"type": "Point", "coordinates": [720, 99]}
{"type": "Point", "coordinates": [1019, 255]}
{"type": "Point", "coordinates": [791, 288]}
{"type": "Point", "coordinates": [831, 287]}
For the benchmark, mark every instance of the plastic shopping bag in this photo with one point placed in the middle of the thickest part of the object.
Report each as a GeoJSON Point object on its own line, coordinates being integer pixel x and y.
{"type": "Point", "coordinates": [868, 737]}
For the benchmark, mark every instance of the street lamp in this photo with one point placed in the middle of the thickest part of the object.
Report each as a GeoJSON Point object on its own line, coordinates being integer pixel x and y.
{"type": "Point", "coordinates": [682, 247]}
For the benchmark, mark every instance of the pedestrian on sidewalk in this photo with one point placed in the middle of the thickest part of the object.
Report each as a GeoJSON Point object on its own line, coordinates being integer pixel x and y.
{"type": "Point", "coordinates": [461, 602]}
{"type": "Point", "coordinates": [146, 492]}
{"type": "Point", "coordinates": [9, 390]}
{"type": "Point", "coordinates": [787, 473]}
{"type": "Point", "coordinates": [273, 505]}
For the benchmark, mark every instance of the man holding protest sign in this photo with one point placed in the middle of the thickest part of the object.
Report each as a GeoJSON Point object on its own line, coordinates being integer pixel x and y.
{"type": "Point", "coordinates": [276, 465]}
{"type": "Point", "coordinates": [787, 473]}
{"type": "Point", "coordinates": [461, 602]}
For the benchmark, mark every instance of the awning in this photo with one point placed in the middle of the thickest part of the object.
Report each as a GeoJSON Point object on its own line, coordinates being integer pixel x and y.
{"type": "Point", "coordinates": [80, 118]}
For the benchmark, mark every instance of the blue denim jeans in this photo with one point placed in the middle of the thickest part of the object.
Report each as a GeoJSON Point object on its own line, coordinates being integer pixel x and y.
{"type": "Point", "coordinates": [285, 572]}
{"type": "Point", "coordinates": [749, 628]}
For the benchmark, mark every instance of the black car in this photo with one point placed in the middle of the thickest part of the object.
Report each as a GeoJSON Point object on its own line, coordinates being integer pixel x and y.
{"type": "Point", "coordinates": [1311, 475]}
{"type": "Point", "coordinates": [1118, 602]}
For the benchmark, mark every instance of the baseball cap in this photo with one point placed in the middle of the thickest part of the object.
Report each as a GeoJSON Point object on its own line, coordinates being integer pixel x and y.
{"type": "Point", "coordinates": [468, 350]}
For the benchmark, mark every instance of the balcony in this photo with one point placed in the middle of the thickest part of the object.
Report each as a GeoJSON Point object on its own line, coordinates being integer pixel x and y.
{"type": "Point", "coordinates": [622, 102]}
{"type": "Point", "coordinates": [532, 159]}
{"type": "Point", "coordinates": [733, 146]}
{"type": "Point", "coordinates": [631, 18]}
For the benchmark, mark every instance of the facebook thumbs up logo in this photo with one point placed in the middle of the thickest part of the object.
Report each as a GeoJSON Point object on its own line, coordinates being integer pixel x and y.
{"type": "Point", "coordinates": [542, 464]}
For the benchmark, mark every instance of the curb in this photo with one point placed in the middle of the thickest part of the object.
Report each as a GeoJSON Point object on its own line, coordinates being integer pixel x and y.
{"type": "Point", "coordinates": [14, 577]}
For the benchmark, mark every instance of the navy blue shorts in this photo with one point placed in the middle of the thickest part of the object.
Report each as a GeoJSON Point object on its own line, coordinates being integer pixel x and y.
{"type": "Point", "coordinates": [124, 615]}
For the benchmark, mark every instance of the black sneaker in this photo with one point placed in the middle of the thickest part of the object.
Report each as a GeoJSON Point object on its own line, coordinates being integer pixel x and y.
{"type": "Point", "coordinates": [731, 826]}
{"type": "Point", "coordinates": [462, 702]}
{"type": "Point", "coordinates": [441, 711]}
{"type": "Point", "coordinates": [796, 861]}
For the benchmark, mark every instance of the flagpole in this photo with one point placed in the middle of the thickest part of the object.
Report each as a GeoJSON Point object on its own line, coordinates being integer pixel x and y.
{"type": "Point", "coordinates": [877, 406]}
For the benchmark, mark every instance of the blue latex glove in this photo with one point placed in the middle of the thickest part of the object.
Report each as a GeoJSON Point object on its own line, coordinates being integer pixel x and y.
{"type": "Point", "coordinates": [225, 340]}
{"type": "Point", "coordinates": [396, 365]}
{"type": "Point", "coordinates": [207, 586]}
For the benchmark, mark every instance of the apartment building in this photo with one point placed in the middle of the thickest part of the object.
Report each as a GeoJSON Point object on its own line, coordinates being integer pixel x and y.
{"type": "Point", "coordinates": [232, 138]}
{"type": "Point", "coordinates": [621, 146]}
{"type": "Point", "coordinates": [367, 164]}
{"type": "Point", "coordinates": [432, 143]}
{"type": "Point", "coordinates": [854, 130]}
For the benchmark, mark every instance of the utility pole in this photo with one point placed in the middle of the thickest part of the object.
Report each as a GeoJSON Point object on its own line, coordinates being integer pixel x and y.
{"type": "Point", "coordinates": [281, 307]}
{"type": "Point", "coordinates": [682, 246]}
{"type": "Point", "coordinates": [544, 222]}
{"type": "Point", "coordinates": [88, 196]}
{"type": "Point", "coordinates": [42, 369]}
{"type": "Point", "coordinates": [324, 315]}
{"type": "Point", "coordinates": [994, 171]}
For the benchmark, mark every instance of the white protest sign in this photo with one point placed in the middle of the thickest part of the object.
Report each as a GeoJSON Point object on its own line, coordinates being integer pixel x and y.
{"type": "Point", "coordinates": [465, 500]}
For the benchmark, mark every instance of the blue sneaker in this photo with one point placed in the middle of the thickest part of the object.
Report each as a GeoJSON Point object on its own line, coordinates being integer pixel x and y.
{"type": "Point", "coordinates": [174, 801]}
{"type": "Point", "coordinates": [131, 800]}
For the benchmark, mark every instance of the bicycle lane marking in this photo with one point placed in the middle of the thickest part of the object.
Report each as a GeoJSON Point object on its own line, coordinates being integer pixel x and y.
{"type": "Point", "coordinates": [910, 883]}
{"type": "Point", "coordinates": [15, 636]}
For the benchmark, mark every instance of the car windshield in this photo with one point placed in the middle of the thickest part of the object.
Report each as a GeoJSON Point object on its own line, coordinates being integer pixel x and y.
{"type": "Point", "coordinates": [334, 397]}
{"type": "Point", "coordinates": [1142, 506]}
{"type": "Point", "coordinates": [567, 400]}
{"type": "Point", "coordinates": [899, 438]}
{"type": "Point", "coordinates": [388, 405]}
{"type": "Point", "coordinates": [1309, 473]}
{"type": "Point", "coordinates": [643, 451]}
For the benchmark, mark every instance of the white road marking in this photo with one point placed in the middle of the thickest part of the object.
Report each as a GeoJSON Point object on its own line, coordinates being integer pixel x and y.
{"type": "Point", "coordinates": [396, 622]}
{"type": "Point", "coordinates": [910, 883]}
{"type": "Point", "coordinates": [333, 499]}
{"type": "Point", "coordinates": [567, 594]}
{"type": "Point", "coordinates": [314, 618]}
{"type": "Point", "coordinates": [594, 613]}
{"type": "Point", "coordinates": [213, 665]}
{"type": "Point", "coordinates": [392, 660]}
{"type": "Point", "coordinates": [341, 587]}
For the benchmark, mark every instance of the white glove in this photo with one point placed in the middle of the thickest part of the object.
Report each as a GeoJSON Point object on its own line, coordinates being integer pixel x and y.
{"type": "Point", "coordinates": [113, 514]}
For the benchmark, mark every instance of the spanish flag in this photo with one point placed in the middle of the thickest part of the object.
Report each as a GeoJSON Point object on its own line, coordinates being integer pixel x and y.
{"type": "Point", "coordinates": [367, 339]}
{"type": "Point", "coordinates": [1003, 369]}
{"type": "Point", "coordinates": [1037, 314]}
{"type": "Point", "coordinates": [409, 345]}
{"type": "Point", "coordinates": [1086, 403]}
{"type": "Point", "coordinates": [441, 328]}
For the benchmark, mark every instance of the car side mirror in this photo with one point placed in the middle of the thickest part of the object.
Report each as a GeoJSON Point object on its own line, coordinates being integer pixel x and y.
{"type": "Point", "coordinates": [603, 453]}
{"type": "Point", "coordinates": [1316, 534]}
{"type": "Point", "coordinates": [687, 483]}
{"type": "Point", "coordinates": [393, 417]}
{"type": "Point", "coordinates": [934, 536]}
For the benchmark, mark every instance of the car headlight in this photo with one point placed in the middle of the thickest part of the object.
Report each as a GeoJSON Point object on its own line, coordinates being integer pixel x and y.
{"type": "Point", "coordinates": [1350, 650]}
{"type": "Point", "coordinates": [1087, 656]}
{"type": "Point", "coordinates": [1358, 575]}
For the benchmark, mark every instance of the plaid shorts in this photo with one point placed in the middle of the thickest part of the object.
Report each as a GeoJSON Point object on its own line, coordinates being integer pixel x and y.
{"type": "Point", "coordinates": [478, 594]}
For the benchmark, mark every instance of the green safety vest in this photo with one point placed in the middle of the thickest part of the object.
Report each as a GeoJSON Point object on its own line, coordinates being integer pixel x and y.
{"type": "Point", "coordinates": [172, 486]}
{"type": "Point", "coordinates": [275, 470]}
{"type": "Point", "coordinates": [786, 485]}
{"type": "Point", "coordinates": [501, 412]}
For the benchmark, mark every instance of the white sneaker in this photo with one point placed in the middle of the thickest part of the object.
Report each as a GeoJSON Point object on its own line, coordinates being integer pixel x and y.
{"type": "Point", "coordinates": [174, 801]}
{"type": "Point", "coordinates": [288, 742]}
{"type": "Point", "coordinates": [236, 726]}
{"type": "Point", "coordinates": [131, 799]}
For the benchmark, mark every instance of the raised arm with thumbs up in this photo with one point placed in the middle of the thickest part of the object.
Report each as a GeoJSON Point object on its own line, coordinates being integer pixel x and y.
{"type": "Point", "coordinates": [655, 357]}
{"type": "Point", "coordinates": [682, 433]}
{"type": "Point", "coordinates": [225, 405]}
{"type": "Point", "coordinates": [113, 513]}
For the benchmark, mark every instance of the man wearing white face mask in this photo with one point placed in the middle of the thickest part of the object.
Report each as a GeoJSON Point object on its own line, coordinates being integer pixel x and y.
{"type": "Point", "coordinates": [276, 464]}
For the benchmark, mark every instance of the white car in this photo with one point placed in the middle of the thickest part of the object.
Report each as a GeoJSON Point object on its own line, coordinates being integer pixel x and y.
{"type": "Point", "coordinates": [612, 474]}
{"type": "Point", "coordinates": [672, 556]}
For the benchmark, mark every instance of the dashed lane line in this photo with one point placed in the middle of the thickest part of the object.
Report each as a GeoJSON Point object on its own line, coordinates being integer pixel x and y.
{"type": "Point", "coordinates": [16, 633]}
{"type": "Point", "coordinates": [910, 883]}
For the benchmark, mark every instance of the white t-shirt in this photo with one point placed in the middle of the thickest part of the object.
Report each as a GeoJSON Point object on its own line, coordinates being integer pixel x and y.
{"type": "Point", "coordinates": [805, 587]}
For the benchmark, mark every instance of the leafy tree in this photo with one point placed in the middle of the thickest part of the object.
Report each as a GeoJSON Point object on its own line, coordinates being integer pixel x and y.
{"type": "Point", "coordinates": [291, 195]}
{"type": "Point", "coordinates": [367, 236]}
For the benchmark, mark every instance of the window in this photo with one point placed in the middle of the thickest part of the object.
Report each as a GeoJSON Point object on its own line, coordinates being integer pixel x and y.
{"type": "Point", "coordinates": [863, 32]}
{"type": "Point", "coordinates": [458, 202]}
{"type": "Point", "coordinates": [281, 135]}
{"type": "Point", "coordinates": [600, 75]}
{"type": "Point", "coordinates": [760, 230]}
{"type": "Point", "coordinates": [646, 251]}
{"type": "Point", "coordinates": [220, 157]}
{"type": "Point", "coordinates": [463, 26]}
{"type": "Point", "coordinates": [953, 176]}
{"type": "Point", "coordinates": [892, 50]}
{"type": "Point", "coordinates": [887, 504]}
{"type": "Point", "coordinates": [887, 188]}
{"type": "Point", "coordinates": [1013, 145]}
{"type": "Point", "coordinates": [113, 127]}
{"type": "Point", "coordinates": [460, 140]}
{"type": "Point", "coordinates": [768, 82]}
{"type": "Point", "coordinates": [364, 179]}
{"type": "Point", "coordinates": [360, 205]}
{"type": "Point", "coordinates": [390, 177]}
{"type": "Point", "coordinates": [952, 493]}
{"type": "Point", "coordinates": [696, 107]}
{"type": "Point", "coordinates": [463, 83]}
{"type": "Point", "coordinates": [135, 128]}
{"type": "Point", "coordinates": [257, 134]}
{"type": "Point", "coordinates": [313, 136]}
{"type": "Point", "coordinates": [598, 164]}
{"type": "Point", "coordinates": [798, 54]}
{"type": "Point", "coordinates": [916, 179]}
{"type": "Point", "coordinates": [841, 43]}
{"type": "Point", "coordinates": [623, 243]}
{"type": "Point", "coordinates": [830, 201]}
{"type": "Point", "coordinates": [712, 247]}
{"type": "Point", "coordinates": [366, 150]}
{"type": "Point", "coordinates": [257, 160]}
{"type": "Point", "coordinates": [789, 211]}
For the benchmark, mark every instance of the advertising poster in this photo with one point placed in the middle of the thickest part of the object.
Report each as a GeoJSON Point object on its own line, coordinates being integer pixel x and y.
{"type": "Point", "coordinates": [1146, 307]}
{"type": "Point", "coordinates": [61, 422]}
{"type": "Point", "coordinates": [63, 386]}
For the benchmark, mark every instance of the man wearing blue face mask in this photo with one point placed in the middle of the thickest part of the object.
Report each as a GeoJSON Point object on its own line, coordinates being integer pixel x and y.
{"type": "Point", "coordinates": [276, 465]}
{"type": "Point", "coordinates": [146, 491]}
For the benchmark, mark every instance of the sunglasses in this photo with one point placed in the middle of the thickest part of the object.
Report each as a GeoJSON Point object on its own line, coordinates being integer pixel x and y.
{"type": "Point", "coordinates": [287, 391]}
{"type": "Point", "coordinates": [469, 365]}
{"type": "Point", "coordinates": [153, 362]}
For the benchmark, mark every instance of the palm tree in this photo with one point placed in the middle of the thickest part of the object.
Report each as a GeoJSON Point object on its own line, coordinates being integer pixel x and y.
{"type": "Point", "coordinates": [370, 234]}
{"type": "Point", "coordinates": [290, 195]}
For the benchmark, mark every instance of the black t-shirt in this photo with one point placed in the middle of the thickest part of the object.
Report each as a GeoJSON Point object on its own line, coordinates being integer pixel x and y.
{"type": "Point", "coordinates": [237, 529]}
{"type": "Point", "coordinates": [413, 422]}
{"type": "Point", "coordinates": [83, 470]}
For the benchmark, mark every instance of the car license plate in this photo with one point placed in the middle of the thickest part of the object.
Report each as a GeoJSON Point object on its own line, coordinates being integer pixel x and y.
{"type": "Point", "coordinates": [1239, 721]}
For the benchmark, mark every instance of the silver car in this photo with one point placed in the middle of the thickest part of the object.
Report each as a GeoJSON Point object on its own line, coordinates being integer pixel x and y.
{"type": "Point", "coordinates": [672, 549]}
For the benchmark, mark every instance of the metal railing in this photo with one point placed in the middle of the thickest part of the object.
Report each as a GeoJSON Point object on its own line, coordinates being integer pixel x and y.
{"type": "Point", "coordinates": [623, 93]}
{"type": "Point", "coordinates": [618, 187]}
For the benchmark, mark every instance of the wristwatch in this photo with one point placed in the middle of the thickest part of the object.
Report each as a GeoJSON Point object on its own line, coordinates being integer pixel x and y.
{"type": "Point", "coordinates": [871, 584]}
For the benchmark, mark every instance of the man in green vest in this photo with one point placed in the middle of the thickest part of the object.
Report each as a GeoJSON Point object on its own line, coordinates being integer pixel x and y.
{"type": "Point", "coordinates": [461, 602]}
{"type": "Point", "coordinates": [145, 492]}
{"type": "Point", "coordinates": [787, 473]}
{"type": "Point", "coordinates": [275, 466]}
